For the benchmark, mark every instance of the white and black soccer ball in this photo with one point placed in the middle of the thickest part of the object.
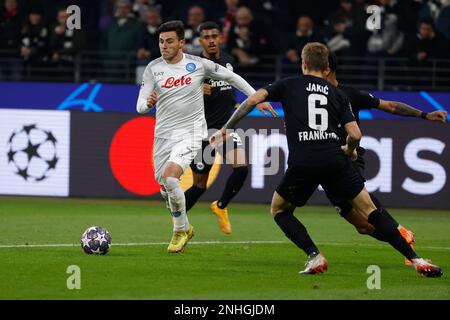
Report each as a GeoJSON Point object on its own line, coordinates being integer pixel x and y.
{"type": "Point", "coordinates": [31, 151]}
{"type": "Point", "coordinates": [96, 240]}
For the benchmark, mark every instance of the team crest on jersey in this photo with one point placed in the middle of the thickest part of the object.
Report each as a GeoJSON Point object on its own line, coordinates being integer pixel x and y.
{"type": "Point", "coordinates": [191, 67]}
{"type": "Point", "coordinates": [229, 66]}
{"type": "Point", "coordinates": [200, 166]}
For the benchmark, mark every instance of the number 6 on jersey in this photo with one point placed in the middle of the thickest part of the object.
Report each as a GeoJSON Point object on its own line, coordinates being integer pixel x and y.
{"type": "Point", "coordinates": [313, 112]}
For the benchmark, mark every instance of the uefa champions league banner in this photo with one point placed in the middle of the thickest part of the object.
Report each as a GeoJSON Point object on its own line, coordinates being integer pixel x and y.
{"type": "Point", "coordinates": [34, 152]}
{"type": "Point", "coordinates": [101, 97]}
{"type": "Point", "coordinates": [61, 153]}
{"type": "Point", "coordinates": [408, 162]}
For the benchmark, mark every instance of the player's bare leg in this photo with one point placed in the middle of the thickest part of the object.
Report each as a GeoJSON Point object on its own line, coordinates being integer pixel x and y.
{"type": "Point", "coordinates": [364, 206]}
{"type": "Point", "coordinates": [182, 230]}
{"type": "Point", "coordinates": [233, 185]}
{"type": "Point", "coordinates": [283, 214]}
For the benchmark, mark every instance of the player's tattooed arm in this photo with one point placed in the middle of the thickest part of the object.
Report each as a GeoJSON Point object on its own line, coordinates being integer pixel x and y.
{"type": "Point", "coordinates": [405, 110]}
{"type": "Point", "coordinates": [246, 107]}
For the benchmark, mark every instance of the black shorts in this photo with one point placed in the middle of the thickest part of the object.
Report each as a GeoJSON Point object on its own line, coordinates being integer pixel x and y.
{"type": "Point", "coordinates": [204, 159]}
{"type": "Point", "coordinates": [338, 177]}
{"type": "Point", "coordinates": [342, 205]}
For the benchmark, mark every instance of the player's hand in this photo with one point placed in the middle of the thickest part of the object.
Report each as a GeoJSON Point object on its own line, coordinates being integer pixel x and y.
{"type": "Point", "coordinates": [438, 115]}
{"type": "Point", "coordinates": [217, 138]}
{"type": "Point", "coordinates": [152, 100]}
{"type": "Point", "coordinates": [353, 155]}
{"type": "Point", "coordinates": [207, 89]}
{"type": "Point", "coordinates": [266, 107]}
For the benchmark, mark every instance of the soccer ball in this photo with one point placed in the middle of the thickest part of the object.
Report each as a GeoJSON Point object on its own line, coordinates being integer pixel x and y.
{"type": "Point", "coordinates": [96, 240]}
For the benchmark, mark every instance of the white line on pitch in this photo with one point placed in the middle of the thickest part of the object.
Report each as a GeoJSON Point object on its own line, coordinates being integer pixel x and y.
{"type": "Point", "coordinates": [338, 244]}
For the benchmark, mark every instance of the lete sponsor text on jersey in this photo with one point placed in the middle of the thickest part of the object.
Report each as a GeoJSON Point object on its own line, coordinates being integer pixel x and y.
{"type": "Point", "coordinates": [172, 82]}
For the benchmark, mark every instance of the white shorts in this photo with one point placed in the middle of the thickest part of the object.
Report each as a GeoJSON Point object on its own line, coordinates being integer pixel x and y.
{"type": "Point", "coordinates": [181, 152]}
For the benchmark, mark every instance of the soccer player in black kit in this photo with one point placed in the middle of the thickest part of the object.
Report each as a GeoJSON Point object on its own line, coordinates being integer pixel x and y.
{"type": "Point", "coordinates": [362, 100]}
{"type": "Point", "coordinates": [220, 102]}
{"type": "Point", "coordinates": [315, 111]}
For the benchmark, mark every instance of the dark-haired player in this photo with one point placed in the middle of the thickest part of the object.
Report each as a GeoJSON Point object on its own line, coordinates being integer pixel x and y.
{"type": "Point", "coordinates": [314, 112]}
{"type": "Point", "coordinates": [361, 100]}
{"type": "Point", "coordinates": [177, 80]}
{"type": "Point", "coordinates": [220, 102]}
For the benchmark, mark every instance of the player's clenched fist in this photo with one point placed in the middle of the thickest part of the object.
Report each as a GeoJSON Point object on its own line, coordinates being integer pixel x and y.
{"type": "Point", "coordinates": [353, 155]}
{"type": "Point", "coordinates": [217, 138]}
{"type": "Point", "coordinates": [437, 115]}
{"type": "Point", "coordinates": [151, 101]}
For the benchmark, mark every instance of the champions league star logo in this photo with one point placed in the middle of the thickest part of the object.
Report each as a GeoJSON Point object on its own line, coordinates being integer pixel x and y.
{"type": "Point", "coordinates": [31, 151]}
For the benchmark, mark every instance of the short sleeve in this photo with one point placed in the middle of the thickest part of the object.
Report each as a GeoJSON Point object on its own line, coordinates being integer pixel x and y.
{"type": "Point", "coordinates": [275, 90]}
{"type": "Point", "coordinates": [346, 113]}
{"type": "Point", "coordinates": [367, 100]}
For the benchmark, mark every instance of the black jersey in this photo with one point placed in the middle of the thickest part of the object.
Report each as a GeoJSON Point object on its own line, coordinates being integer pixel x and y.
{"type": "Point", "coordinates": [360, 100]}
{"type": "Point", "coordinates": [315, 111]}
{"type": "Point", "coordinates": [220, 104]}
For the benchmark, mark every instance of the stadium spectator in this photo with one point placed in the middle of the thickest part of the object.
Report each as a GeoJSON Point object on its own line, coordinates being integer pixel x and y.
{"type": "Point", "coordinates": [432, 9]}
{"type": "Point", "coordinates": [427, 44]}
{"type": "Point", "coordinates": [306, 32]}
{"type": "Point", "coordinates": [228, 19]}
{"type": "Point", "coordinates": [336, 40]}
{"type": "Point", "coordinates": [387, 41]}
{"type": "Point", "coordinates": [121, 35]}
{"type": "Point", "coordinates": [443, 21]}
{"type": "Point", "coordinates": [346, 31]}
{"type": "Point", "coordinates": [140, 8]}
{"type": "Point", "coordinates": [263, 10]}
{"type": "Point", "coordinates": [148, 41]}
{"type": "Point", "coordinates": [34, 48]}
{"type": "Point", "coordinates": [65, 43]}
{"type": "Point", "coordinates": [248, 39]}
{"type": "Point", "coordinates": [196, 15]}
{"type": "Point", "coordinates": [10, 25]}
{"type": "Point", "coordinates": [10, 36]}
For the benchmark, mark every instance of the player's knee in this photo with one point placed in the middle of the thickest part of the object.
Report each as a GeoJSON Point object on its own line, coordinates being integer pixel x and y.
{"type": "Point", "coordinates": [170, 183]}
{"type": "Point", "coordinates": [277, 211]}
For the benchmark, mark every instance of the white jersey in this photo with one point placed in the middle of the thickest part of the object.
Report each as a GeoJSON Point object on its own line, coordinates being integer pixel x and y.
{"type": "Point", "coordinates": [179, 88]}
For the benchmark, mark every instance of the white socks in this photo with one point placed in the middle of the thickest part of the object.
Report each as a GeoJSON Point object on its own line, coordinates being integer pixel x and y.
{"type": "Point", "coordinates": [177, 203]}
{"type": "Point", "coordinates": [165, 197]}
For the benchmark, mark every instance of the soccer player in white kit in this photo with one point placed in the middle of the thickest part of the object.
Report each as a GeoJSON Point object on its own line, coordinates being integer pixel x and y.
{"type": "Point", "coordinates": [177, 79]}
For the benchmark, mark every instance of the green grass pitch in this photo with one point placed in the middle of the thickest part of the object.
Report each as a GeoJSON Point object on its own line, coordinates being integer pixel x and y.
{"type": "Point", "coordinates": [255, 262]}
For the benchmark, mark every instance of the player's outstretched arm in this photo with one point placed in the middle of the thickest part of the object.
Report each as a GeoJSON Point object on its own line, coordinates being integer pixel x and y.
{"type": "Point", "coordinates": [246, 107]}
{"type": "Point", "coordinates": [405, 110]}
{"type": "Point", "coordinates": [218, 72]}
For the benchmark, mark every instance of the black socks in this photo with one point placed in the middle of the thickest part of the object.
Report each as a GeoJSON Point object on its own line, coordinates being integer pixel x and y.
{"type": "Point", "coordinates": [296, 232]}
{"type": "Point", "coordinates": [377, 234]}
{"type": "Point", "coordinates": [192, 195]}
{"type": "Point", "coordinates": [387, 228]}
{"type": "Point", "coordinates": [234, 184]}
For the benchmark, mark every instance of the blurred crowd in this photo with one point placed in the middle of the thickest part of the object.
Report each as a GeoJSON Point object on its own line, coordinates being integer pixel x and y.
{"type": "Point", "coordinates": [36, 31]}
